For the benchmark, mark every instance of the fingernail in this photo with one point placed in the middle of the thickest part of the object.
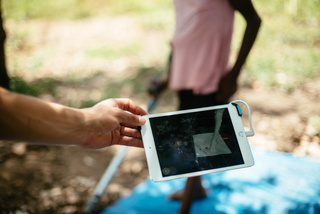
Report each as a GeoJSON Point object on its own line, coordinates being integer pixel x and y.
{"type": "Point", "coordinates": [142, 120]}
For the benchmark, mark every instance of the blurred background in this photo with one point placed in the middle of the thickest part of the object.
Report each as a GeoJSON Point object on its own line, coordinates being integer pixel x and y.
{"type": "Point", "coordinates": [79, 52]}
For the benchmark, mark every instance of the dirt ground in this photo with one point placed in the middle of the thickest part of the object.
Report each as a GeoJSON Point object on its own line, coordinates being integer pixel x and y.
{"type": "Point", "coordinates": [41, 179]}
{"type": "Point", "coordinates": [56, 179]}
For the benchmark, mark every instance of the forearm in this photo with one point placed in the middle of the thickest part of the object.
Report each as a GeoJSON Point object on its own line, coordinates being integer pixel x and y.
{"type": "Point", "coordinates": [33, 120]}
{"type": "Point", "coordinates": [249, 38]}
{"type": "Point", "coordinates": [253, 21]}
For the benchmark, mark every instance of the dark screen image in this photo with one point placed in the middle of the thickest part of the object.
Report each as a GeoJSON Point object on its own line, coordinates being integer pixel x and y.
{"type": "Point", "coordinates": [196, 141]}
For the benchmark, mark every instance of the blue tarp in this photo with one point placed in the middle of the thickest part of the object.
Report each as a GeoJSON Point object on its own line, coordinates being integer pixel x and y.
{"type": "Point", "coordinates": [277, 183]}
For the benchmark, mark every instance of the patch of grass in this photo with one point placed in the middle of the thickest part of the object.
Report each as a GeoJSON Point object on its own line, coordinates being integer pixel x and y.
{"type": "Point", "coordinates": [35, 88]}
{"type": "Point", "coordinates": [137, 6]}
{"type": "Point", "coordinates": [160, 19]}
{"type": "Point", "coordinates": [18, 41]}
{"type": "Point", "coordinates": [287, 52]}
{"type": "Point", "coordinates": [35, 63]}
{"type": "Point", "coordinates": [284, 56]}
{"type": "Point", "coordinates": [113, 52]}
{"type": "Point", "coordinates": [18, 85]}
{"type": "Point", "coordinates": [134, 85]}
{"type": "Point", "coordinates": [47, 85]}
{"type": "Point", "coordinates": [76, 9]}
{"type": "Point", "coordinates": [58, 9]}
{"type": "Point", "coordinates": [313, 127]}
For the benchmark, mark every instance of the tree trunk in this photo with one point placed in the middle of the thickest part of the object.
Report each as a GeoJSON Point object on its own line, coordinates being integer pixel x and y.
{"type": "Point", "coordinates": [4, 78]}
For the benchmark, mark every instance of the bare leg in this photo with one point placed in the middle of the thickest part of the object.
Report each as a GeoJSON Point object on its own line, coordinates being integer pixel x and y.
{"type": "Point", "coordinates": [193, 190]}
{"type": "Point", "coordinates": [197, 193]}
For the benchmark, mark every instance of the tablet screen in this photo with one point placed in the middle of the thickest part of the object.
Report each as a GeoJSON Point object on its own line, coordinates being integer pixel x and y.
{"type": "Point", "coordinates": [196, 141]}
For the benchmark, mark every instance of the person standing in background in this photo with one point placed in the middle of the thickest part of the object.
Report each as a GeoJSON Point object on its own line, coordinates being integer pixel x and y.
{"type": "Point", "coordinates": [199, 69]}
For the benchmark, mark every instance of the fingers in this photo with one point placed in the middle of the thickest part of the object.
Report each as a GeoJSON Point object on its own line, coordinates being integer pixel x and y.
{"type": "Point", "coordinates": [128, 105]}
{"type": "Point", "coordinates": [129, 113]}
{"type": "Point", "coordinates": [130, 137]}
{"type": "Point", "coordinates": [129, 141]}
{"type": "Point", "coordinates": [131, 132]}
{"type": "Point", "coordinates": [130, 120]}
{"type": "Point", "coordinates": [120, 118]}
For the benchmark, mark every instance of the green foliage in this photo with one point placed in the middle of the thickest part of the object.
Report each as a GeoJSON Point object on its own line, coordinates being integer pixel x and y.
{"type": "Point", "coordinates": [33, 88]}
{"type": "Point", "coordinates": [112, 52]}
{"type": "Point", "coordinates": [313, 127]}
{"type": "Point", "coordinates": [285, 55]}
{"type": "Point", "coordinates": [20, 86]}
{"type": "Point", "coordinates": [38, 9]}
{"type": "Point", "coordinates": [77, 9]}
{"type": "Point", "coordinates": [287, 52]}
{"type": "Point", "coordinates": [133, 85]}
{"type": "Point", "coordinates": [18, 40]}
{"type": "Point", "coordinates": [159, 19]}
{"type": "Point", "coordinates": [137, 6]}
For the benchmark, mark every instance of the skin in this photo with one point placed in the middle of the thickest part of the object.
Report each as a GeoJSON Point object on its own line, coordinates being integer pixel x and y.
{"type": "Point", "coordinates": [227, 87]}
{"type": "Point", "coordinates": [228, 84]}
{"type": "Point", "coordinates": [110, 122]}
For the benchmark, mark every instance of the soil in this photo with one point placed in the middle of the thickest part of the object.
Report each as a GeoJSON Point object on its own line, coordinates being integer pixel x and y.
{"type": "Point", "coordinates": [62, 179]}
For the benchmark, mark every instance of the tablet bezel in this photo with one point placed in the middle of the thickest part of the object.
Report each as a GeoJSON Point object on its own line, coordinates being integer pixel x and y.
{"type": "Point", "coordinates": [152, 156]}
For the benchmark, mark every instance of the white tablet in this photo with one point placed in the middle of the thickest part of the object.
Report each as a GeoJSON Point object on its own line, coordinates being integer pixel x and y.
{"type": "Point", "coordinates": [195, 142]}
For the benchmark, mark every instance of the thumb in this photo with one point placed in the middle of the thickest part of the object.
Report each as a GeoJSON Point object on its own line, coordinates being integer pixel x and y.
{"type": "Point", "coordinates": [131, 119]}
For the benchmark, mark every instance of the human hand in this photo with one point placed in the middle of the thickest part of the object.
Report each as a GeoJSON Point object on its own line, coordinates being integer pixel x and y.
{"type": "Point", "coordinates": [227, 87]}
{"type": "Point", "coordinates": [113, 122]}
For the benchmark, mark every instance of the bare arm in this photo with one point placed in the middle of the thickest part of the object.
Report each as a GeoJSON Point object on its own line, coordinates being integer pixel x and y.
{"type": "Point", "coordinates": [253, 21]}
{"type": "Point", "coordinates": [113, 121]}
